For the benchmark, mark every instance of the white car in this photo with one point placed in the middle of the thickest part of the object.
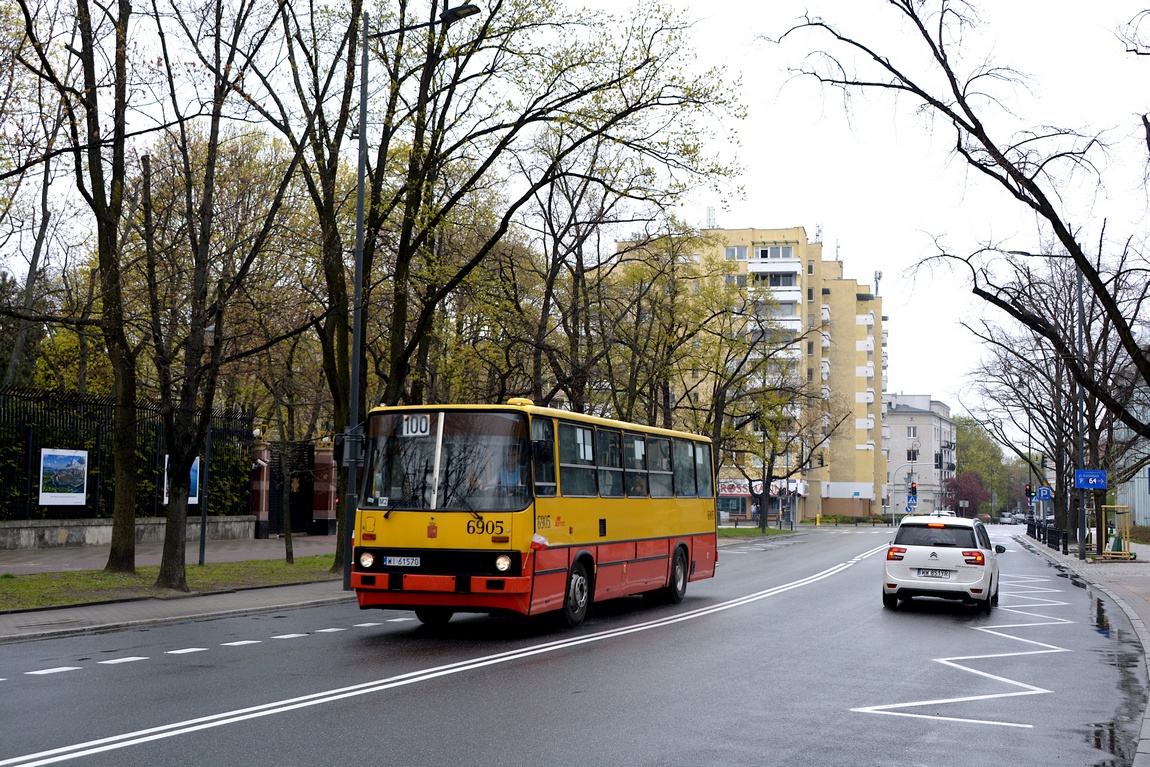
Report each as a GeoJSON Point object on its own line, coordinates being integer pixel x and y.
{"type": "Point", "coordinates": [945, 557]}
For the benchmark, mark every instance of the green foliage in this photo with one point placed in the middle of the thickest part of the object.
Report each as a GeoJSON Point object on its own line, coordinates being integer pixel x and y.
{"type": "Point", "coordinates": [32, 419]}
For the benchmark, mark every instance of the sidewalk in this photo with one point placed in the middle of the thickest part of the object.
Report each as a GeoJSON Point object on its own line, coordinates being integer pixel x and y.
{"type": "Point", "coordinates": [38, 624]}
{"type": "Point", "coordinates": [1127, 584]}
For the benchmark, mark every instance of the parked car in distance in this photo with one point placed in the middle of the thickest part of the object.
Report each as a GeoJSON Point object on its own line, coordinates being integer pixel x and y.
{"type": "Point", "coordinates": [942, 557]}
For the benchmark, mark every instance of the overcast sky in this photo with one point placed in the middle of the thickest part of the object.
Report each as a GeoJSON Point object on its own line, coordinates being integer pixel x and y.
{"type": "Point", "coordinates": [883, 184]}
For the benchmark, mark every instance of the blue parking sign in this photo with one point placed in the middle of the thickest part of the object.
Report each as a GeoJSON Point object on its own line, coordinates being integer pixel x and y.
{"type": "Point", "coordinates": [1044, 493]}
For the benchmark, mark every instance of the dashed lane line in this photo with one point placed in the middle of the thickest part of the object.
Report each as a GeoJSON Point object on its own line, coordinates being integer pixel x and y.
{"type": "Point", "coordinates": [173, 729]}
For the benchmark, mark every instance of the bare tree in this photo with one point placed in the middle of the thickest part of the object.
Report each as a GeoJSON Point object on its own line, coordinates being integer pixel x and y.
{"type": "Point", "coordinates": [1037, 167]}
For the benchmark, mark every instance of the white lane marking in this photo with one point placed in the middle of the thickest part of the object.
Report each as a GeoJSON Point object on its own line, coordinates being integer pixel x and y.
{"type": "Point", "coordinates": [186, 650]}
{"type": "Point", "coordinates": [240, 643]}
{"type": "Point", "coordinates": [137, 737]}
{"type": "Point", "coordinates": [289, 636]}
{"type": "Point", "coordinates": [57, 670]}
{"type": "Point", "coordinates": [328, 631]}
{"type": "Point", "coordinates": [390, 620]}
{"type": "Point", "coordinates": [115, 661]}
{"type": "Point", "coordinates": [1027, 591]}
{"type": "Point", "coordinates": [366, 625]}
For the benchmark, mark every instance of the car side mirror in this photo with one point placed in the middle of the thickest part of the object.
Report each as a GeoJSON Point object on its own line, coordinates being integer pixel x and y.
{"type": "Point", "coordinates": [1000, 549]}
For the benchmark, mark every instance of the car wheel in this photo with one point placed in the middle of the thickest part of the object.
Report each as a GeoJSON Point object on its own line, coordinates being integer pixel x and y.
{"type": "Point", "coordinates": [674, 592]}
{"type": "Point", "coordinates": [578, 597]}
{"type": "Point", "coordinates": [434, 616]}
{"type": "Point", "coordinates": [889, 601]}
{"type": "Point", "coordinates": [994, 598]}
{"type": "Point", "coordinates": [985, 604]}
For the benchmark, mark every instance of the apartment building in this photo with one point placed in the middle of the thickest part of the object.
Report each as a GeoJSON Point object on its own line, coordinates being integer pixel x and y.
{"type": "Point", "coordinates": [839, 348]}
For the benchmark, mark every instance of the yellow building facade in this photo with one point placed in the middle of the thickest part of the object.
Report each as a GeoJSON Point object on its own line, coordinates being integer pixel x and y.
{"type": "Point", "coordinates": [838, 349]}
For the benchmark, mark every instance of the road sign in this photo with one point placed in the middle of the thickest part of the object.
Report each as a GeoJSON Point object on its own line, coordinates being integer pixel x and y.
{"type": "Point", "coordinates": [1089, 479]}
{"type": "Point", "coordinates": [1045, 493]}
{"type": "Point", "coordinates": [909, 508]}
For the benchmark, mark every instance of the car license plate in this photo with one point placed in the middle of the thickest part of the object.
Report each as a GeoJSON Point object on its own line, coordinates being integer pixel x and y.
{"type": "Point", "coordinates": [933, 573]}
{"type": "Point", "coordinates": [401, 561]}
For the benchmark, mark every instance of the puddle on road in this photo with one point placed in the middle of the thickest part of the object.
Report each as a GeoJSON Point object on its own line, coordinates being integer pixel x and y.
{"type": "Point", "coordinates": [1118, 737]}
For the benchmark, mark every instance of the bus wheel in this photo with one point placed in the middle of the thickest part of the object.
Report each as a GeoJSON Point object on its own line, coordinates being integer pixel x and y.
{"type": "Point", "coordinates": [433, 616]}
{"type": "Point", "coordinates": [677, 588]}
{"type": "Point", "coordinates": [578, 597]}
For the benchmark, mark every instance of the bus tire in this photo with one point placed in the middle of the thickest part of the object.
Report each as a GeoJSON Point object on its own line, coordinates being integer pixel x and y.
{"type": "Point", "coordinates": [433, 616]}
{"type": "Point", "coordinates": [674, 591]}
{"type": "Point", "coordinates": [577, 599]}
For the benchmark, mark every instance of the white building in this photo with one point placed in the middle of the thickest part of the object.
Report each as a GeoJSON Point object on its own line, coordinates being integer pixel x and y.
{"type": "Point", "coordinates": [920, 446]}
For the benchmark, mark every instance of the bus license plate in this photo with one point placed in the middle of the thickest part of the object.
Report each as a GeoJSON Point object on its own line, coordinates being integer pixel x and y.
{"type": "Point", "coordinates": [401, 561]}
{"type": "Point", "coordinates": [933, 573]}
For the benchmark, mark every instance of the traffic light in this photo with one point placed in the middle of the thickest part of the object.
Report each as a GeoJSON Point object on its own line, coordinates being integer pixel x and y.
{"type": "Point", "coordinates": [1029, 491]}
{"type": "Point", "coordinates": [913, 492]}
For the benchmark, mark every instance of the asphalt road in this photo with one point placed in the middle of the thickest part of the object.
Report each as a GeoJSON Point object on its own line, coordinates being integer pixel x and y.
{"type": "Point", "coordinates": [786, 657]}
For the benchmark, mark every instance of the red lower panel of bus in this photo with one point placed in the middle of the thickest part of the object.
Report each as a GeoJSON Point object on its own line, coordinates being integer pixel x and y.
{"type": "Point", "coordinates": [620, 569]}
{"type": "Point", "coordinates": [482, 594]}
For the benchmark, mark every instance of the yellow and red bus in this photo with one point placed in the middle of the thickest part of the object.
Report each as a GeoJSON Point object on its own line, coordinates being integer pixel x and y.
{"type": "Point", "coordinates": [522, 509]}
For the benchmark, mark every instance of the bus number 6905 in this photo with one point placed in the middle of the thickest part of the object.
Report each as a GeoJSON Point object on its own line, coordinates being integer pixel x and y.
{"type": "Point", "coordinates": [484, 527]}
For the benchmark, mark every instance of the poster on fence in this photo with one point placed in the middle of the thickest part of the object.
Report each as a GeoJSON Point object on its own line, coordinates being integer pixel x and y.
{"type": "Point", "coordinates": [63, 477]}
{"type": "Point", "coordinates": [194, 487]}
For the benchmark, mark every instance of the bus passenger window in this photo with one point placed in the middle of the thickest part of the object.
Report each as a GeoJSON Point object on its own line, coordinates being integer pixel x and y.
{"type": "Point", "coordinates": [659, 463]}
{"type": "Point", "coordinates": [703, 473]}
{"type": "Point", "coordinates": [635, 465]}
{"type": "Point", "coordinates": [576, 460]}
{"type": "Point", "coordinates": [610, 463]}
{"type": "Point", "coordinates": [684, 468]}
{"type": "Point", "coordinates": [543, 456]}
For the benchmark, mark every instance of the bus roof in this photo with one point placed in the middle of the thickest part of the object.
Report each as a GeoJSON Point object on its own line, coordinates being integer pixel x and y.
{"type": "Point", "coordinates": [521, 404]}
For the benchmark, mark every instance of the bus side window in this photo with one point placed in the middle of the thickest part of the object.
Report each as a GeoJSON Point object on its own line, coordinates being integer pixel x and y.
{"type": "Point", "coordinates": [703, 474]}
{"type": "Point", "coordinates": [659, 464]}
{"type": "Point", "coordinates": [685, 469]}
{"type": "Point", "coordinates": [635, 465]}
{"type": "Point", "coordinates": [576, 460]}
{"type": "Point", "coordinates": [543, 456]}
{"type": "Point", "coordinates": [610, 444]}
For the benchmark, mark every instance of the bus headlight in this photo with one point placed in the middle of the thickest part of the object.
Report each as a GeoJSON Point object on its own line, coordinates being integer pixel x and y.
{"type": "Point", "coordinates": [366, 559]}
{"type": "Point", "coordinates": [503, 563]}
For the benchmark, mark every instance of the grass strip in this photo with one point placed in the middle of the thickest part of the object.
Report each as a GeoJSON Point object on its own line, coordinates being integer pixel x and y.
{"type": "Point", "coordinates": [25, 592]}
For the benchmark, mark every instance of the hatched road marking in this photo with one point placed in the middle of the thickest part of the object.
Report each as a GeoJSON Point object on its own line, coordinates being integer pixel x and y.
{"type": "Point", "coordinates": [1029, 591]}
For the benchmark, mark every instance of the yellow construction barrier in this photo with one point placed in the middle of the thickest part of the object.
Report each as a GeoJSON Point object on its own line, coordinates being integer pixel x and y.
{"type": "Point", "coordinates": [1118, 545]}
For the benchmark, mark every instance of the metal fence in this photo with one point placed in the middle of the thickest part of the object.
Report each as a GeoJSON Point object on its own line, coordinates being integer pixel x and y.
{"type": "Point", "coordinates": [57, 459]}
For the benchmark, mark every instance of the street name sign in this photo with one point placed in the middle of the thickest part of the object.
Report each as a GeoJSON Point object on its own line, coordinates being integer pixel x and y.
{"type": "Point", "coordinates": [1089, 479]}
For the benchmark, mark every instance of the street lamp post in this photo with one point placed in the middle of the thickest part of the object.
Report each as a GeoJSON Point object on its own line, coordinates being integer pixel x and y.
{"type": "Point", "coordinates": [355, 434]}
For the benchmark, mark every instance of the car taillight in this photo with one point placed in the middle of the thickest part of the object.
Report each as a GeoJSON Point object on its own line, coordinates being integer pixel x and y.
{"type": "Point", "coordinates": [895, 553]}
{"type": "Point", "coordinates": [974, 557]}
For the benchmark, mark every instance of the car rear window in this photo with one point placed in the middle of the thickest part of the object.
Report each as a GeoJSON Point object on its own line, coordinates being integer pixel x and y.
{"type": "Point", "coordinates": [922, 535]}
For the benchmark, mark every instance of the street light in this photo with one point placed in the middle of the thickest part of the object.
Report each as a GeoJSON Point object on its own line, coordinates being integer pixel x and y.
{"type": "Point", "coordinates": [446, 18]}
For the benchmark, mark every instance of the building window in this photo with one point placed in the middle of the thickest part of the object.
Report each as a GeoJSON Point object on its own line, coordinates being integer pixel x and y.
{"type": "Point", "coordinates": [736, 280]}
{"type": "Point", "coordinates": [810, 374]}
{"type": "Point", "coordinates": [810, 294]}
{"type": "Point", "coordinates": [737, 253]}
{"type": "Point", "coordinates": [810, 267]}
{"type": "Point", "coordinates": [775, 252]}
{"type": "Point", "coordinates": [810, 348]}
{"type": "Point", "coordinates": [911, 432]}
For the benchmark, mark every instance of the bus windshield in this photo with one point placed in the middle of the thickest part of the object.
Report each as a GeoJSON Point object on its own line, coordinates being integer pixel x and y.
{"type": "Point", "coordinates": [447, 460]}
